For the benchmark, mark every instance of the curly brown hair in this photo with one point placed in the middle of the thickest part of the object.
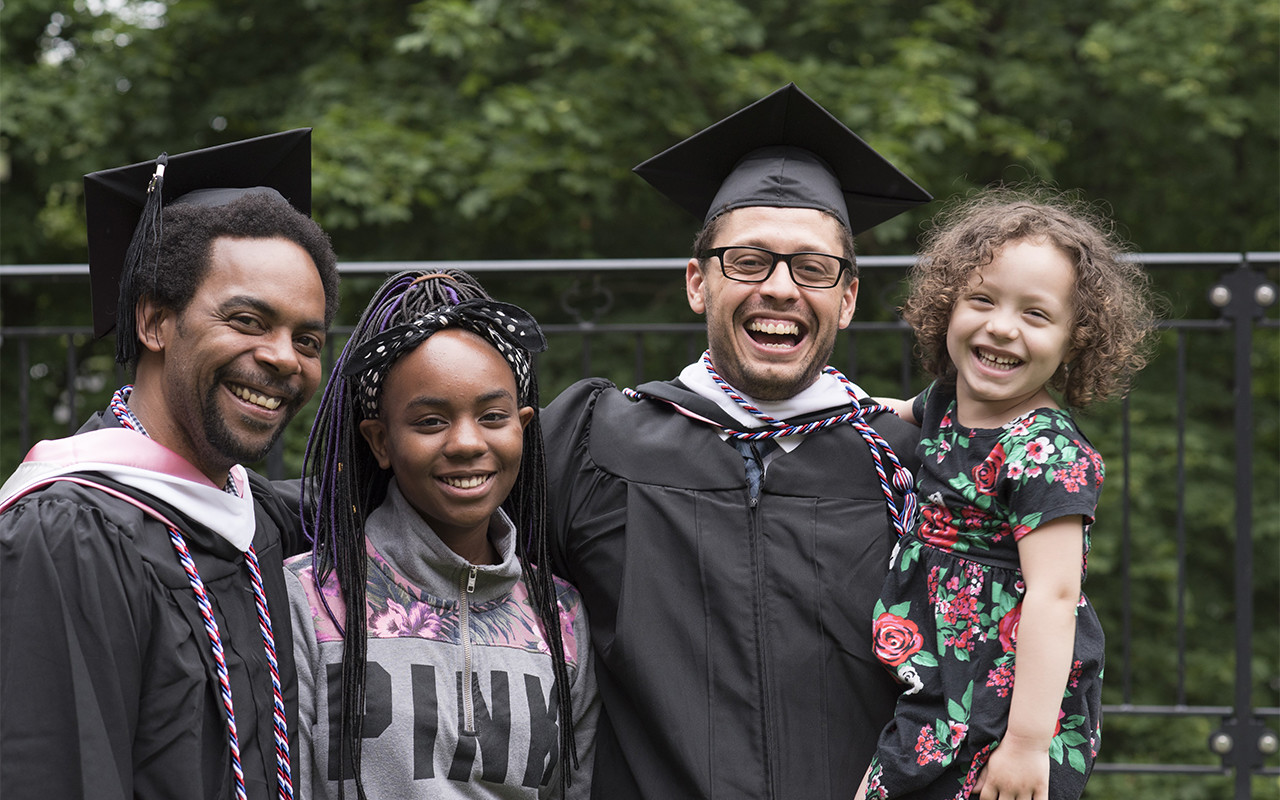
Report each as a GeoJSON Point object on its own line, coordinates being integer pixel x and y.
{"type": "Point", "coordinates": [1114, 325]}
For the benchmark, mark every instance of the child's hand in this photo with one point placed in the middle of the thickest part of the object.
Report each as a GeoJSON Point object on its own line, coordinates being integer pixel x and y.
{"type": "Point", "coordinates": [1017, 770]}
{"type": "Point", "coordinates": [900, 407]}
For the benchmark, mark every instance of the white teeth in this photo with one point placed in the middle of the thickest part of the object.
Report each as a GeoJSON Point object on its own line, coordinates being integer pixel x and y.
{"type": "Point", "coordinates": [999, 361]}
{"type": "Point", "coordinates": [269, 403]}
{"type": "Point", "coordinates": [776, 328]}
{"type": "Point", "coordinates": [466, 483]}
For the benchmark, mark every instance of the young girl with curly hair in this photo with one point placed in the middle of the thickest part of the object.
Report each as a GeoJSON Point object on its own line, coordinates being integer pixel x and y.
{"type": "Point", "coordinates": [1023, 307]}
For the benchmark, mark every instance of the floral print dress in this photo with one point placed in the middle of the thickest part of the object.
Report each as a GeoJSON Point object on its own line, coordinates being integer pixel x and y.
{"type": "Point", "coordinates": [947, 620]}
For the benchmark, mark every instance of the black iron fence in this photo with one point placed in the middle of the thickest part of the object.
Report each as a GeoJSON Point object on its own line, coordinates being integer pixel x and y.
{"type": "Point", "coordinates": [1185, 569]}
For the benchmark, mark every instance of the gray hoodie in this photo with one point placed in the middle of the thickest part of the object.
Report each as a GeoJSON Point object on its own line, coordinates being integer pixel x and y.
{"type": "Point", "coordinates": [459, 696]}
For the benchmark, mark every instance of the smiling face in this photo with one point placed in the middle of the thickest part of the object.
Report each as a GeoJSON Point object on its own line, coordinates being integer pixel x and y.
{"type": "Point", "coordinates": [452, 431]}
{"type": "Point", "coordinates": [771, 340]}
{"type": "Point", "coordinates": [1010, 331]}
{"type": "Point", "coordinates": [240, 360]}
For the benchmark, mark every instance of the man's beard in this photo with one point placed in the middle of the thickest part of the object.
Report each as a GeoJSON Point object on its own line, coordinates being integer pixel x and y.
{"type": "Point", "coordinates": [222, 440]}
{"type": "Point", "coordinates": [742, 374]}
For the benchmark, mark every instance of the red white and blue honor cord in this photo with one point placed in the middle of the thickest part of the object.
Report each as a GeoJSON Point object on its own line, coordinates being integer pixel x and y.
{"type": "Point", "coordinates": [284, 779]}
{"type": "Point", "coordinates": [903, 516]}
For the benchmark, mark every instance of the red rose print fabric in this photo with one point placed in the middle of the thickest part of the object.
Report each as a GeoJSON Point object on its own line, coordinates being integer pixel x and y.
{"type": "Point", "coordinates": [947, 621]}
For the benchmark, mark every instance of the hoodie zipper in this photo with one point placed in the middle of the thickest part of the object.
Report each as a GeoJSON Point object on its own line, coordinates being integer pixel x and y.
{"type": "Point", "coordinates": [466, 586]}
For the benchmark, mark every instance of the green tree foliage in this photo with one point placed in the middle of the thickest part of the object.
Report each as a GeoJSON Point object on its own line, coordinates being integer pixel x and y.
{"type": "Point", "coordinates": [506, 129]}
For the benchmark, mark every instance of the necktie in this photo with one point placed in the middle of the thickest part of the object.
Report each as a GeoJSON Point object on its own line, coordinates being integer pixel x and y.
{"type": "Point", "coordinates": [753, 456]}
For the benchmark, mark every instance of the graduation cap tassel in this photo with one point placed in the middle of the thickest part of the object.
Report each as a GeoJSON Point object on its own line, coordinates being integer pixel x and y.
{"type": "Point", "coordinates": [132, 276]}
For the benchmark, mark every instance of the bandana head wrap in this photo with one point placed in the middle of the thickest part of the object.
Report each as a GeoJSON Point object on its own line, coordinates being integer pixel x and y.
{"type": "Point", "coordinates": [510, 329]}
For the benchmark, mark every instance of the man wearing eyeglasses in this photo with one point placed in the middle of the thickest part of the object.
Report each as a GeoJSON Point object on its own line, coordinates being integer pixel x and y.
{"type": "Point", "coordinates": [771, 326]}
{"type": "Point", "coordinates": [730, 529]}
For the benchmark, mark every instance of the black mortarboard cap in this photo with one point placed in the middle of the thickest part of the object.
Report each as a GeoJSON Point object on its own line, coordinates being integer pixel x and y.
{"type": "Point", "coordinates": [786, 151]}
{"type": "Point", "coordinates": [119, 205]}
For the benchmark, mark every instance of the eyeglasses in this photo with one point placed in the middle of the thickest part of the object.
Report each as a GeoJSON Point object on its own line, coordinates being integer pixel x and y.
{"type": "Point", "coordinates": [755, 265]}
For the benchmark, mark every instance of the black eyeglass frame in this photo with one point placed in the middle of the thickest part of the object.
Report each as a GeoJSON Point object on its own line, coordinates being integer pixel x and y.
{"type": "Point", "coordinates": [718, 253]}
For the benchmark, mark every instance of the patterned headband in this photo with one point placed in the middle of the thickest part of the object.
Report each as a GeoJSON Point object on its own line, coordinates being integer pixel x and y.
{"type": "Point", "coordinates": [510, 329]}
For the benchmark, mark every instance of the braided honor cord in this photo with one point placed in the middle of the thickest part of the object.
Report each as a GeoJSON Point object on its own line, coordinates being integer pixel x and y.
{"type": "Point", "coordinates": [284, 779]}
{"type": "Point", "coordinates": [903, 516]}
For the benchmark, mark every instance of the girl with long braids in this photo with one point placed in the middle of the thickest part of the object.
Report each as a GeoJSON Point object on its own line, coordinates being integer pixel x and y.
{"type": "Point", "coordinates": [437, 656]}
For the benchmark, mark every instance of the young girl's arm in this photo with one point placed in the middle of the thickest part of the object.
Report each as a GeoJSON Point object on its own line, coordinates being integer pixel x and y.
{"type": "Point", "coordinates": [1050, 561]}
{"type": "Point", "coordinates": [901, 407]}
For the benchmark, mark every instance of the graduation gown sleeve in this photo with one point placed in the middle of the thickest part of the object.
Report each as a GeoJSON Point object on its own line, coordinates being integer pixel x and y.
{"type": "Point", "coordinates": [83, 623]}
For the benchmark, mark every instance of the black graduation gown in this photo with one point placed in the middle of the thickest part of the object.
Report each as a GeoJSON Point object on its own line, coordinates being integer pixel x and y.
{"type": "Point", "coordinates": [108, 688]}
{"type": "Point", "coordinates": [733, 641]}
